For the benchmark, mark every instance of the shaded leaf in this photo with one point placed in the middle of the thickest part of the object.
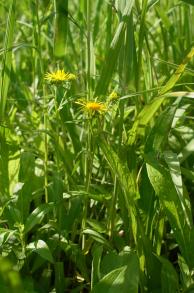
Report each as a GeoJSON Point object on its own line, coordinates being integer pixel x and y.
{"type": "Point", "coordinates": [41, 248]}
{"type": "Point", "coordinates": [37, 215]}
{"type": "Point", "coordinates": [123, 279]}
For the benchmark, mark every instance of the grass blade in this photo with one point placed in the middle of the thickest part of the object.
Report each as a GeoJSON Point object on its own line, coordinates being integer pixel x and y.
{"type": "Point", "coordinates": [113, 53]}
{"type": "Point", "coordinates": [61, 27]}
{"type": "Point", "coordinates": [7, 59]}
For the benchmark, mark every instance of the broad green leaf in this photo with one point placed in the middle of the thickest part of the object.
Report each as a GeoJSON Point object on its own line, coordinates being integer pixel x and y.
{"type": "Point", "coordinates": [96, 261]}
{"type": "Point", "coordinates": [185, 275]}
{"type": "Point", "coordinates": [112, 260]}
{"type": "Point", "coordinates": [175, 210]}
{"type": "Point", "coordinates": [175, 172]}
{"type": "Point", "coordinates": [97, 226]}
{"type": "Point", "coordinates": [169, 277]}
{"type": "Point", "coordinates": [123, 279]}
{"type": "Point", "coordinates": [37, 215]}
{"type": "Point", "coordinates": [41, 248]}
{"type": "Point", "coordinates": [97, 236]}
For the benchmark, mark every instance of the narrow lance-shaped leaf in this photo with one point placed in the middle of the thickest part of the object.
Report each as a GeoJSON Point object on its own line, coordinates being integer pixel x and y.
{"type": "Point", "coordinates": [7, 59]}
{"type": "Point", "coordinates": [37, 215]}
{"type": "Point", "coordinates": [120, 170]}
{"type": "Point", "coordinates": [175, 172]}
{"type": "Point", "coordinates": [61, 27]}
{"type": "Point", "coordinates": [113, 53]}
{"type": "Point", "coordinates": [150, 109]}
{"type": "Point", "coordinates": [179, 71]}
{"type": "Point", "coordinates": [179, 219]}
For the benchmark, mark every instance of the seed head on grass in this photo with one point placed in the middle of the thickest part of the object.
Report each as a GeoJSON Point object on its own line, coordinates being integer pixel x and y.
{"type": "Point", "coordinates": [59, 76]}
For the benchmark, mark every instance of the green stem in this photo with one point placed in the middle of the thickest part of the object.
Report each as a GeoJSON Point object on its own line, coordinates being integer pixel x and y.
{"type": "Point", "coordinates": [88, 161]}
{"type": "Point", "coordinates": [57, 128]}
{"type": "Point", "coordinates": [112, 209]}
{"type": "Point", "coordinates": [88, 47]}
{"type": "Point", "coordinates": [45, 118]}
{"type": "Point", "coordinates": [140, 49]}
{"type": "Point", "coordinates": [88, 172]}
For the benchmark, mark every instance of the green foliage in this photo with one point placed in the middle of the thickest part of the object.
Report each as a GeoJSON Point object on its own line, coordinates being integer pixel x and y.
{"type": "Point", "coordinates": [96, 172]}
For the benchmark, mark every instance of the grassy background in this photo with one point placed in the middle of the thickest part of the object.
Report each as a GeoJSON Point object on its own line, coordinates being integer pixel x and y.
{"type": "Point", "coordinates": [97, 202]}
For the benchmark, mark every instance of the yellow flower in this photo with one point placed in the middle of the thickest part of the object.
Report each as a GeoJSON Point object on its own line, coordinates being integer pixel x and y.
{"type": "Point", "coordinates": [59, 76]}
{"type": "Point", "coordinates": [113, 96]}
{"type": "Point", "coordinates": [92, 106]}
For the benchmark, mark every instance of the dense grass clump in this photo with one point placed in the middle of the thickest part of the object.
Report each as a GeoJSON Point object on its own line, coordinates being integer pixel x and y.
{"type": "Point", "coordinates": [96, 146]}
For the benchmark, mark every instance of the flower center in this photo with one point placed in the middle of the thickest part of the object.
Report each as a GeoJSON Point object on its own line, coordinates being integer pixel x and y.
{"type": "Point", "coordinates": [94, 106]}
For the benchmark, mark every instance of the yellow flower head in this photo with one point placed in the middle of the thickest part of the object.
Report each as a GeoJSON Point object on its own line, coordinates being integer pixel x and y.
{"type": "Point", "coordinates": [92, 106]}
{"type": "Point", "coordinates": [59, 76]}
{"type": "Point", "coordinates": [113, 96]}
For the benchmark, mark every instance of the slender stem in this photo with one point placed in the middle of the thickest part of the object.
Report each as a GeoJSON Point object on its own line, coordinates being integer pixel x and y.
{"type": "Point", "coordinates": [88, 172]}
{"type": "Point", "coordinates": [57, 128]}
{"type": "Point", "coordinates": [140, 49]}
{"type": "Point", "coordinates": [45, 118]}
{"type": "Point", "coordinates": [88, 160]}
{"type": "Point", "coordinates": [88, 48]}
{"type": "Point", "coordinates": [114, 197]}
{"type": "Point", "coordinates": [112, 209]}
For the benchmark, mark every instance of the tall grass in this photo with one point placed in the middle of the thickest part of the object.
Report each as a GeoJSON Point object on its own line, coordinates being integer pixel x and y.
{"type": "Point", "coordinates": [97, 202]}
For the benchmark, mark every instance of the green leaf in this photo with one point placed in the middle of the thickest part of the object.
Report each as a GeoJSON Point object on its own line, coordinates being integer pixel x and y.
{"type": "Point", "coordinates": [7, 58]}
{"type": "Point", "coordinates": [96, 261]}
{"type": "Point", "coordinates": [59, 277]}
{"type": "Point", "coordinates": [13, 167]}
{"type": "Point", "coordinates": [158, 136]}
{"type": "Point", "coordinates": [175, 172]}
{"type": "Point", "coordinates": [61, 27]}
{"type": "Point", "coordinates": [113, 53]}
{"type": "Point", "coordinates": [97, 237]}
{"type": "Point", "coordinates": [175, 209]}
{"type": "Point", "coordinates": [150, 109]}
{"type": "Point", "coordinates": [4, 171]}
{"type": "Point", "coordinates": [27, 165]}
{"type": "Point", "coordinates": [37, 215]}
{"type": "Point", "coordinates": [112, 260]}
{"type": "Point", "coordinates": [186, 151]}
{"type": "Point", "coordinates": [179, 71]}
{"type": "Point", "coordinates": [41, 248]}
{"type": "Point", "coordinates": [191, 2]}
{"type": "Point", "coordinates": [123, 279]}
{"type": "Point", "coordinates": [169, 277]}
{"type": "Point", "coordinates": [119, 170]}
